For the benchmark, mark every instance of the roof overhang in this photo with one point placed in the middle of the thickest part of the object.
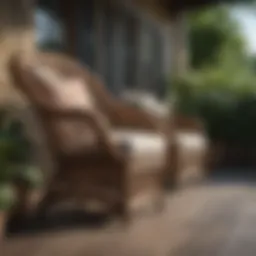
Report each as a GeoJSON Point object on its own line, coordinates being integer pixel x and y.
{"type": "Point", "coordinates": [180, 5]}
{"type": "Point", "coordinates": [175, 6]}
{"type": "Point", "coordinates": [166, 9]}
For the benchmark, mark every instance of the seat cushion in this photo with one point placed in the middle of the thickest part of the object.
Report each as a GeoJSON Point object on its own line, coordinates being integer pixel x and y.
{"type": "Point", "coordinates": [191, 155]}
{"type": "Point", "coordinates": [66, 92]}
{"type": "Point", "coordinates": [145, 151]}
{"type": "Point", "coordinates": [191, 141]}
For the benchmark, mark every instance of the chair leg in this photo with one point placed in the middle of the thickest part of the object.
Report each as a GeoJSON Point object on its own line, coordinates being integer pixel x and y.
{"type": "Point", "coordinates": [123, 213]}
{"type": "Point", "coordinates": [47, 201]}
{"type": "Point", "coordinates": [160, 203]}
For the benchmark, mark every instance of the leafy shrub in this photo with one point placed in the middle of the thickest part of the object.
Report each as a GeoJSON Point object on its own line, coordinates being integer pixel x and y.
{"type": "Point", "coordinates": [30, 176]}
{"type": "Point", "coordinates": [14, 160]}
{"type": "Point", "coordinates": [226, 102]}
{"type": "Point", "coordinates": [7, 196]}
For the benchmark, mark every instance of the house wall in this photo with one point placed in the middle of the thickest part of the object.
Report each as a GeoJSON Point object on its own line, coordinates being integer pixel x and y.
{"type": "Point", "coordinates": [16, 33]}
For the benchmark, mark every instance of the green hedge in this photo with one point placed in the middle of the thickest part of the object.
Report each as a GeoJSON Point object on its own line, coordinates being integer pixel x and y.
{"type": "Point", "coordinates": [225, 101]}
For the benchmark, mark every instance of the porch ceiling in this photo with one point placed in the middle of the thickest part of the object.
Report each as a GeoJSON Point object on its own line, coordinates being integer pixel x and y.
{"type": "Point", "coordinates": [165, 9]}
{"type": "Point", "coordinates": [170, 7]}
{"type": "Point", "coordinates": [179, 5]}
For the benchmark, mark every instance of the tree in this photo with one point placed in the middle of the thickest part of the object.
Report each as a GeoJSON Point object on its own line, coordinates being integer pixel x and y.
{"type": "Point", "coordinates": [215, 38]}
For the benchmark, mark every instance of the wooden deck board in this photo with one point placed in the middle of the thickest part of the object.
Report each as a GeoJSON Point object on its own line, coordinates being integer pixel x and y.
{"type": "Point", "coordinates": [202, 221]}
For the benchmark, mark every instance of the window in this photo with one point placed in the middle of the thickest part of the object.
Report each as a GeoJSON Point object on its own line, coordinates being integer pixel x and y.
{"type": "Point", "coordinates": [151, 58]}
{"type": "Point", "coordinates": [146, 57]}
{"type": "Point", "coordinates": [158, 79]}
{"type": "Point", "coordinates": [85, 50]}
{"type": "Point", "coordinates": [126, 48]}
{"type": "Point", "coordinates": [109, 47]}
{"type": "Point", "coordinates": [49, 28]}
{"type": "Point", "coordinates": [130, 44]}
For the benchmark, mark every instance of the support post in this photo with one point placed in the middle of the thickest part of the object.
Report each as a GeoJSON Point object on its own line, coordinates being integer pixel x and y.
{"type": "Point", "coordinates": [179, 42]}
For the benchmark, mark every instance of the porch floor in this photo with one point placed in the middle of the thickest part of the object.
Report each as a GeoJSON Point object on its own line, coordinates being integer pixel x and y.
{"type": "Point", "coordinates": [213, 219]}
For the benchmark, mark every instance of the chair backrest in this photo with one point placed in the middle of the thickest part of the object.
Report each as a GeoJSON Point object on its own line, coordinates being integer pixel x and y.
{"type": "Point", "coordinates": [54, 80]}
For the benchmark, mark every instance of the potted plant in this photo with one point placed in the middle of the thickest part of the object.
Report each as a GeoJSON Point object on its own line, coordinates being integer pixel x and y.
{"type": "Point", "coordinates": [7, 201]}
{"type": "Point", "coordinates": [7, 192]}
{"type": "Point", "coordinates": [28, 184]}
{"type": "Point", "coordinates": [15, 157]}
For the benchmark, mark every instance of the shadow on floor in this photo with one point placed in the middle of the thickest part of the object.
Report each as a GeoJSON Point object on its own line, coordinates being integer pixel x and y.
{"type": "Point", "coordinates": [62, 221]}
{"type": "Point", "coordinates": [232, 176]}
{"type": "Point", "coordinates": [80, 219]}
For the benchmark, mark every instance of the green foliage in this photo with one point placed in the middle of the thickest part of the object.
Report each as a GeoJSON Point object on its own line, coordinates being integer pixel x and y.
{"type": "Point", "coordinates": [214, 38]}
{"type": "Point", "coordinates": [30, 176]}
{"type": "Point", "coordinates": [7, 196]}
{"type": "Point", "coordinates": [221, 88]}
{"type": "Point", "coordinates": [14, 160]}
{"type": "Point", "coordinates": [227, 103]}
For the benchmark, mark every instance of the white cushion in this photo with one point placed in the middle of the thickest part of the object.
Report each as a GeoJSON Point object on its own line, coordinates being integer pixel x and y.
{"type": "Point", "coordinates": [146, 151]}
{"type": "Point", "coordinates": [69, 93]}
{"type": "Point", "coordinates": [193, 141]}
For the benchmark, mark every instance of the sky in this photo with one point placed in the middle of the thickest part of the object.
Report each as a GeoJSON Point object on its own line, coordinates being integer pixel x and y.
{"type": "Point", "coordinates": [47, 27]}
{"type": "Point", "coordinates": [247, 20]}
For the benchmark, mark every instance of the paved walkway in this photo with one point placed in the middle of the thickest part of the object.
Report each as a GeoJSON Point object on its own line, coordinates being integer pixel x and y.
{"type": "Point", "coordinates": [217, 220]}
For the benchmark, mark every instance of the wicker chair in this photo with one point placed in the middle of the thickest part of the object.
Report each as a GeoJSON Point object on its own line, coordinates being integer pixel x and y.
{"type": "Point", "coordinates": [188, 143]}
{"type": "Point", "coordinates": [189, 152]}
{"type": "Point", "coordinates": [103, 149]}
